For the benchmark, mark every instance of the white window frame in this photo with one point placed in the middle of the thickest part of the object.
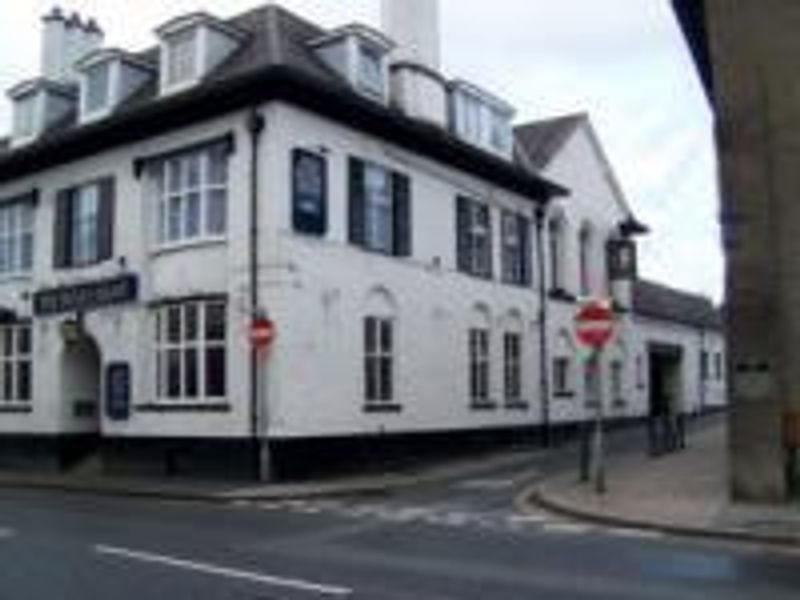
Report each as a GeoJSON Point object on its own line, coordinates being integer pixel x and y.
{"type": "Point", "coordinates": [84, 225]}
{"type": "Point", "coordinates": [562, 376]}
{"type": "Point", "coordinates": [26, 116]}
{"type": "Point", "coordinates": [479, 238]}
{"type": "Point", "coordinates": [190, 40]}
{"type": "Point", "coordinates": [512, 366]}
{"type": "Point", "coordinates": [90, 78]}
{"type": "Point", "coordinates": [479, 365]}
{"type": "Point", "coordinates": [200, 345]}
{"type": "Point", "coordinates": [13, 359]}
{"type": "Point", "coordinates": [370, 70]}
{"type": "Point", "coordinates": [187, 190]}
{"type": "Point", "coordinates": [378, 208]}
{"type": "Point", "coordinates": [16, 239]}
{"type": "Point", "coordinates": [379, 360]}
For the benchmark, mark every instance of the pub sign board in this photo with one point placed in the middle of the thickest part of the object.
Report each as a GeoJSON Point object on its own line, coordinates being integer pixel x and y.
{"type": "Point", "coordinates": [622, 260]}
{"type": "Point", "coordinates": [86, 296]}
{"type": "Point", "coordinates": [118, 391]}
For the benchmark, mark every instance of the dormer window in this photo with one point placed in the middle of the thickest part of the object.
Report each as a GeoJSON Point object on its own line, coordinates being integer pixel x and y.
{"type": "Point", "coordinates": [39, 104]}
{"type": "Point", "coordinates": [107, 78]}
{"type": "Point", "coordinates": [481, 119]}
{"type": "Point", "coordinates": [192, 46]}
{"type": "Point", "coordinates": [359, 54]}
{"type": "Point", "coordinates": [371, 70]}
{"type": "Point", "coordinates": [182, 56]}
{"type": "Point", "coordinates": [25, 116]}
{"type": "Point", "coordinates": [98, 88]}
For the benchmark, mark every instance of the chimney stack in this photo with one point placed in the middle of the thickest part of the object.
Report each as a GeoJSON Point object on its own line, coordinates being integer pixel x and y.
{"type": "Point", "coordinates": [66, 40]}
{"type": "Point", "coordinates": [414, 26]}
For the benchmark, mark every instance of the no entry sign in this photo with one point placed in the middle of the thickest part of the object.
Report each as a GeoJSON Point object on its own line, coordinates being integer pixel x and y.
{"type": "Point", "coordinates": [594, 323]}
{"type": "Point", "coordinates": [262, 333]}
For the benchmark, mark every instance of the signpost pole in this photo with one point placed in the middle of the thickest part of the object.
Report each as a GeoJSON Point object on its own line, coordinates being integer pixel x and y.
{"type": "Point", "coordinates": [599, 441]}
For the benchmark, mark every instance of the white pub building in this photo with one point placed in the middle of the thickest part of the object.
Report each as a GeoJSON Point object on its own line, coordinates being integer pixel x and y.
{"type": "Point", "coordinates": [420, 258]}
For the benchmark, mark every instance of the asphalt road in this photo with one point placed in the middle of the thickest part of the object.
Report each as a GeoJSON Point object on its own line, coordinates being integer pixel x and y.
{"type": "Point", "coordinates": [456, 540]}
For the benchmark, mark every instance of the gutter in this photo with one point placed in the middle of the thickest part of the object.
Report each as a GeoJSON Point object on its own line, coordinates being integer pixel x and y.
{"type": "Point", "coordinates": [544, 350]}
{"type": "Point", "coordinates": [261, 459]}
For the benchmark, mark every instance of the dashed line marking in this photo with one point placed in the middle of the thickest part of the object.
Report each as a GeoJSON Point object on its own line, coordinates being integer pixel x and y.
{"type": "Point", "coordinates": [230, 573]}
{"type": "Point", "coordinates": [643, 534]}
{"type": "Point", "coordinates": [486, 484]}
{"type": "Point", "coordinates": [567, 528]}
{"type": "Point", "coordinates": [6, 533]}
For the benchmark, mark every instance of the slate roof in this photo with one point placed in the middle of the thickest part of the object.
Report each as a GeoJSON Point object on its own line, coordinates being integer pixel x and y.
{"type": "Point", "coordinates": [275, 62]}
{"type": "Point", "coordinates": [540, 141]}
{"type": "Point", "coordinates": [664, 303]}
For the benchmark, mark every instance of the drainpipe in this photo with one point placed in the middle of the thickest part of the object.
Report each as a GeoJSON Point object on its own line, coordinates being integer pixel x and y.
{"type": "Point", "coordinates": [544, 360]}
{"type": "Point", "coordinates": [261, 458]}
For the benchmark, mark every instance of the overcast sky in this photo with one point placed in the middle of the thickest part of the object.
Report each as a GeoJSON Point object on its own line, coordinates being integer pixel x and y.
{"type": "Point", "coordinates": [623, 61]}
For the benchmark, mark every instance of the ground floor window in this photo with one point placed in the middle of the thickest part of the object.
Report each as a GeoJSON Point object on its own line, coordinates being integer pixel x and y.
{"type": "Point", "coordinates": [15, 363]}
{"type": "Point", "coordinates": [562, 376]}
{"type": "Point", "coordinates": [378, 360]}
{"type": "Point", "coordinates": [191, 351]}
{"type": "Point", "coordinates": [617, 388]}
{"type": "Point", "coordinates": [479, 365]}
{"type": "Point", "coordinates": [512, 354]}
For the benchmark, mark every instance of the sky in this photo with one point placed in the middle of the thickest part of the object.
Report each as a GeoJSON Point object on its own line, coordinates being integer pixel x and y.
{"type": "Point", "coordinates": [623, 61]}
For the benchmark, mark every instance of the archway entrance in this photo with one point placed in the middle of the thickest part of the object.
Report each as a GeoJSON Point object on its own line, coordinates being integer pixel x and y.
{"type": "Point", "coordinates": [80, 381]}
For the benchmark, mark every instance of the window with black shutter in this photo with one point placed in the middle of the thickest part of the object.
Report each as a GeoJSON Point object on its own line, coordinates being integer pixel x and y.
{"type": "Point", "coordinates": [380, 209]}
{"type": "Point", "coordinates": [473, 237]}
{"type": "Point", "coordinates": [309, 193]}
{"type": "Point", "coordinates": [84, 224]}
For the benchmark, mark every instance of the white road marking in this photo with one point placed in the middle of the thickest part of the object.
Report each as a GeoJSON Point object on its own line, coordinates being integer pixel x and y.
{"type": "Point", "coordinates": [6, 533]}
{"type": "Point", "coordinates": [533, 518]}
{"type": "Point", "coordinates": [567, 528]}
{"type": "Point", "coordinates": [208, 569]}
{"type": "Point", "coordinates": [645, 534]}
{"type": "Point", "coordinates": [486, 484]}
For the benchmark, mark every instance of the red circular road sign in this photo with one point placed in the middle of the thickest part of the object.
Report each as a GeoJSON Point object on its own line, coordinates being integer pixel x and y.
{"type": "Point", "coordinates": [262, 333]}
{"type": "Point", "coordinates": [594, 323]}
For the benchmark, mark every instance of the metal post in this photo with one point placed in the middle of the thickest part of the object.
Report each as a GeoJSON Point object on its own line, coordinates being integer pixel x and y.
{"type": "Point", "coordinates": [598, 448]}
{"type": "Point", "coordinates": [544, 360]}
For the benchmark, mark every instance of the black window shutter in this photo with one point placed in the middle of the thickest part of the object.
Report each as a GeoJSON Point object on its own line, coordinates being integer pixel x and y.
{"type": "Point", "coordinates": [105, 220]}
{"type": "Point", "coordinates": [463, 248]}
{"type": "Point", "coordinates": [62, 229]}
{"type": "Point", "coordinates": [489, 243]}
{"type": "Point", "coordinates": [525, 232]}
{"type": "Point", "coordinates": [402, 222]}
{"type": "Point", "coordinates": [357, 205]}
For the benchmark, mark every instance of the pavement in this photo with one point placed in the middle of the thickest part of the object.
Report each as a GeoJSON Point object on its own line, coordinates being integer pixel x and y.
{"type": "Point", "coordinates": [684, 493]}
{"type": "Point", "coordinates": [224, 491]}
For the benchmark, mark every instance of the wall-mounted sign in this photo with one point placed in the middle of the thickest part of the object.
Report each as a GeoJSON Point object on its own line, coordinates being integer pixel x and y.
{"type": "Point", "coordinates": [118, 391]}
{"type": "Point", "coordinates": [86, 296]}
{"type": "Point", "coordinates": [72, 331]}
{"type": "Point", "coordinates": [622, 261]}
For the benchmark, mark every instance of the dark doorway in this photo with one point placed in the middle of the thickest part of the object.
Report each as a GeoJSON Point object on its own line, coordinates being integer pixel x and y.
{"type": "Point", "coordinates": [666, 398]}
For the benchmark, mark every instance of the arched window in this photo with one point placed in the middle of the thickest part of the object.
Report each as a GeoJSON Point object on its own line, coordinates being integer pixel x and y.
{"type": "Point", "coordinates": [512, 358]}
{"type": "Point", "coordinates": [479, 356]}
{"type": "Point", "coordinates": [380, 347]}
{"type": "Point", "coordinates": [585, 259]}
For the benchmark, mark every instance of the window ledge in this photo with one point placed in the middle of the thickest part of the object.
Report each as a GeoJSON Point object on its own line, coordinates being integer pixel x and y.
{"type": "Point", "coordinates": [376, 407]}
{"type": "Point", "coordinates": [186, 407]}
{"type": "Point", "coordinates": [517, 405]}
{"type": "Point", "coordinates": [192, 244]}
{"type": "Point", "coordinates": [562, 295]}
{"type": "Point", "coordinates": [16, 410]}
{"type": "Point", "coordinates": [483, 405]}
{"type": "Point", "coordinates": [16, 278]}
